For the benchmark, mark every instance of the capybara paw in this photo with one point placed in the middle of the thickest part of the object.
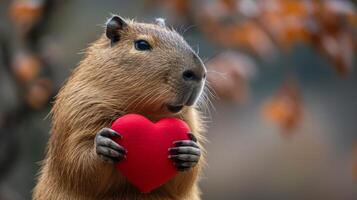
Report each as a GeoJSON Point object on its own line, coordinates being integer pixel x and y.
{"type": "Point", "coordinates": [106, 148]}
{"type": "Point", "coordinates": [185, 154]}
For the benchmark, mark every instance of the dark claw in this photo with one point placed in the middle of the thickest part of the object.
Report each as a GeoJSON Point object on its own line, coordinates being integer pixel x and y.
{"type": "Point", "coordinates": [192, 137]}
{"type": "Point", "coordinates": [107, 132]}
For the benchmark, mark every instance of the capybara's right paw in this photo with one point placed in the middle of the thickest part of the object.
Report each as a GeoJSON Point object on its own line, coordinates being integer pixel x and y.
{"type": "Point", "coordinates": [106, 148]}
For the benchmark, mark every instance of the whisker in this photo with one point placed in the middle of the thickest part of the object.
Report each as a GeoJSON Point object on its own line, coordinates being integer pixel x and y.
{"type": "Point", "coordinates": [211, 91]}
{"type": "Point", "coordinates": [154, 98]}
{"type": "Point", "coordinates": [222, 74]}
{"type": "Point", "coordinates": [204, 103]}
{"type": "Point", "coordinates": [143, 98]}
{"type": "Point", "coordinates": [206, 60]}
{"type": "Point", "coordinates": [188, 28]}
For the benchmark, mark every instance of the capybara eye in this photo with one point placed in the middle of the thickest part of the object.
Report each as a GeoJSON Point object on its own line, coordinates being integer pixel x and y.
{"type": "Point", "coordinates": [142, 45]}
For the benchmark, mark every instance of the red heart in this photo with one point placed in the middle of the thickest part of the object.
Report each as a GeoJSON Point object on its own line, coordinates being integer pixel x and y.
{"type": "Point", "coordinates": [147, 165]}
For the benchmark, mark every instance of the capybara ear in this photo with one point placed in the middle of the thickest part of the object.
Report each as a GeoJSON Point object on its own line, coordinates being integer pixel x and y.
{"type": "Point", "coordinates": [160, 22]}
{"type": "Point", "coordinates": [113, 27]}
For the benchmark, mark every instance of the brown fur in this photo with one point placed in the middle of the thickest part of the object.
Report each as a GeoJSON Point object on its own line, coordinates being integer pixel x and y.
{"type": "Point", "coordinates": [110, 82]}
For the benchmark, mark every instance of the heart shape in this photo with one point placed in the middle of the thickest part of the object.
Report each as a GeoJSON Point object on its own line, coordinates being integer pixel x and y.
{"type": "Point", "coordinates": [147, 165]}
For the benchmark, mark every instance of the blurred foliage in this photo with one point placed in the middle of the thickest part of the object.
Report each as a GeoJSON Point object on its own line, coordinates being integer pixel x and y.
{"type": "Point", "coordinates": [28, 69]}
{"type": "Point", "coordinates": [285, 108]}
{"type": "Point", "coordinates": [229, 74]}
{"type": "Point", "coordinates": [250, 28]}
{"type": "Point", "coordinates": [262, 28]}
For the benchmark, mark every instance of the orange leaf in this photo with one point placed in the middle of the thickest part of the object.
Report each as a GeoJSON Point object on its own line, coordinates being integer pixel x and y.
{"type": "Point", "coordinates": [26, 67]}
{"type": "Point", "coordinates": [285, 108]}
{"type": "Point", "coordinates": [39, 93]}
{"type": "Point", "coordinates": [25, 12]}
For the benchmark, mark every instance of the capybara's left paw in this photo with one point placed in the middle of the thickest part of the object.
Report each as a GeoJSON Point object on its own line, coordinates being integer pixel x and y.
{"type": "Point", "coordinates": [106, 148]}
{"type": "Point", "coordinates": [185, 154]}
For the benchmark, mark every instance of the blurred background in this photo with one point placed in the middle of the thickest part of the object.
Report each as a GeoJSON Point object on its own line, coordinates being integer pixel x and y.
{"type": "Point", "coordinates": [282, 100]}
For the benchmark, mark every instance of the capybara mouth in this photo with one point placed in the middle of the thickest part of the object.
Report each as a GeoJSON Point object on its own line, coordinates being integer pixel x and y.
{"type": "Point", "coordinates": [189, 98]}
{"type": "Point", "coordinates": [174, 108]}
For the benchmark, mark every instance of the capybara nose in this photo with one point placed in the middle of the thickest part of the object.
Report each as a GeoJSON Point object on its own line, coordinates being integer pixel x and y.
{"type": "Point", "coordinates": [190, 75]}
{"type": "Point", "coordinates": [194, 80]}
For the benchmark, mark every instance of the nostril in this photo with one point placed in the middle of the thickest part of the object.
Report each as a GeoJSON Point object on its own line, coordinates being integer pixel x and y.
{"type": "Point", "coordinates": [204, 75]}
{"type": "Point", "coordinates": [189, 75]}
